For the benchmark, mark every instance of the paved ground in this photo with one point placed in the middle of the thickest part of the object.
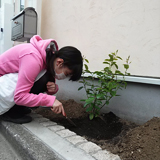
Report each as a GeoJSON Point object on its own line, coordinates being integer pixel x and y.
{"type": "Point", "coordinates": [6, 150]}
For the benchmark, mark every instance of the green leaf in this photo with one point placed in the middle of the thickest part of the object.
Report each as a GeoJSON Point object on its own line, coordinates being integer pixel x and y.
{"type": "Point", "coordinates": [89, 108]}
{"type": "Point", "coordinates": [87, 71]}
{"type": "Point", "coordinates": [119, 57]}
{"type": "Point", "coordinates": [99, 89]}
{"type": "Point", "coordinates": [97, 108]}
{"type": "Point", "coordinates": [91, 116]}
{"type": "Point", "coordinates": [86, 60]}
{"type": "Point", "coordinates": [98, 73]}
{"type": "Point", "coordinates": [82, 100]}
{"type": "Point", "coordinates": [113, 93]}
{"type": "Point", "coordinates": [99, 96]}
{"type": "Point", "coordinates": [81, 81]}
{"type": "Point", "coordinates": [106, 68]}
{"type": "Point", "coordinates": [106, 90]}
{"type": "Point", "coordinates": [112, 63]}
{"type": "Point", "coordinates": [107, 59]}
{"type": "Point", "coordinates": [89, 100]}
{"type": "Point", "coordinates": [118, 72]}
{"type": "Point", "coordinates": [85, 105]}
{"type": "Point", "coordinates": [116, 66]}
{"type": "Point", "coordinates": [90, 77]}
{"type": "Point", "coordinates": [125, 84]}
{"type": "Point", "coordinates": [126, 66]}
{"type": "Point", "coordinates": [80, 88]}
{"type": "Point", "coordinates": [91, 94]}
{"type": "Point", "coordinates": [86, 67]}
{"type": "Point", "coordinates": [96, 115]}
{"type": "Point", "coordinates": [107, 102]}
{"type": "Point", "coordinates": [114, 86]}
{"type": "Point", "coordinates": [109, 85]}
{"type": "Point", "coordinates": [111, 57]}
{"type": "Point", "coordinates": [87, 83]}
{"type": "Point", "coordinates": [106, 63]}
{"type": "Point", "coordinates": [88, 91]}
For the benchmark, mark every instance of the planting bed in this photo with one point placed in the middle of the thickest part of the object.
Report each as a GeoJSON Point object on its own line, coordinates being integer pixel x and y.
{"type": "Point", "coordinates": [130, 141]}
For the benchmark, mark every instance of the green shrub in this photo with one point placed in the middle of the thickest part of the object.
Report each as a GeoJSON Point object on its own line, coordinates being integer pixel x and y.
{"type": "Point", "coordinates": [101, 86]}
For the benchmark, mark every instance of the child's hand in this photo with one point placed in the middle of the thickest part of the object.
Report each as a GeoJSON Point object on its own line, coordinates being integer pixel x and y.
{"type": "Point", "coordinates": [58, 107]}
{"type": "Point", "coordinates": [51, 87]}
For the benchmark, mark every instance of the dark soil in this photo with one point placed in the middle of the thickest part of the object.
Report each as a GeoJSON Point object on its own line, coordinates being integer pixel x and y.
{"type": "Point", "coordinates": [130, 141]}
{"type": "Point", "coordinates": [97, 128]}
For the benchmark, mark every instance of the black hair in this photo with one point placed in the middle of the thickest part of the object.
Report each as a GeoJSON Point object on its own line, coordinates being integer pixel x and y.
{"type": "Point", "coordinates": [72, 59]}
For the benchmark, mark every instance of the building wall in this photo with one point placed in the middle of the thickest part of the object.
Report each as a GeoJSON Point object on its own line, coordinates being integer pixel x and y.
{"type": "Point", "coordinates": [138, 103]}
{"type": "Point", "coordinates": [1, 33]}
{"type": "Point", "coordinates": [6, 14]}
{"type": "Point", "coordinates": [98, 28]}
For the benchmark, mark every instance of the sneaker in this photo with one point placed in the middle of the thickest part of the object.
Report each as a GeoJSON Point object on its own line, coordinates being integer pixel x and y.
{"type": "Point", "coordinates": [20, 120]}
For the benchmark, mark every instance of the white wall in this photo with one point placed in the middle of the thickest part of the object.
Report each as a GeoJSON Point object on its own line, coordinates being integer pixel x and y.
{"type": "Point", "coordinates": [1, 33]}
{"type": "Point", "coordinates": [6, 14]}
{"type": "Point", "coordinates": [98, 27]}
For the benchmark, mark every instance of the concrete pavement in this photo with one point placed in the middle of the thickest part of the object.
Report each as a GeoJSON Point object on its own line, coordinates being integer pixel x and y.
{"type": "Point", "coordinates": [7, 152]}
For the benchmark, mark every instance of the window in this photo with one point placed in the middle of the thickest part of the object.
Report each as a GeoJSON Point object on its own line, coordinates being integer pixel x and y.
{"type": "Point", "coordinates": [22, 4]}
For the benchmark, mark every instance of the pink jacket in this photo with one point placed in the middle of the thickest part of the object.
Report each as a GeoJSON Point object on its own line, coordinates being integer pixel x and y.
{"type": "Point", "coordinates": [28, 60]}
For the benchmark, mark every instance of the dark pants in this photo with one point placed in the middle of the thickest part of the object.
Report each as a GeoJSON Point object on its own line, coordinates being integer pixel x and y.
{"type": "Point", "coordinates": [38, 87]}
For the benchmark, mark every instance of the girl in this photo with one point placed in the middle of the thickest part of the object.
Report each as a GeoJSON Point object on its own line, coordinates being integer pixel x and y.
{"type": "Point", "coordinates": [28, 60]}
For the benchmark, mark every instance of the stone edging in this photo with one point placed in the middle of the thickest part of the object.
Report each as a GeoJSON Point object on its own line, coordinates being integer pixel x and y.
{"type": "Point", "coordinates": [89, 147]}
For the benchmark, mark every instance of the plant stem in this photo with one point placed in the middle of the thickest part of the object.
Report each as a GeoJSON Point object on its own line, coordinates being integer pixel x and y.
{"type": "Point", "coordinates": [105, 103]}
{"type": "Point", "coordinates": [85, 86]}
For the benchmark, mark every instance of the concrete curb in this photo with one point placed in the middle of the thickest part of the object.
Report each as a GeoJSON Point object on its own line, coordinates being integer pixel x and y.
{"type": "Point", "coordinates": [42, 136]}
{"type": "Point", "coordinates": [27, 145]}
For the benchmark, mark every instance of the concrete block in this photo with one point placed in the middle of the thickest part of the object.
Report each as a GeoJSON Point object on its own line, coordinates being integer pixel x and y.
{"type": "Point", "coordinates": [89, 147]}
{"type": "Point", "coordinates": [48, 123]}
{"type": "Point", "coordinates": [26, 144]}
{"type": "Point", "coordinates": [56, 128]}
{"type": "Point", "coordinates": [105, 155]}
{"type": "Point", "coordinates": [40, 120]}
{"type": "Point", "coordinates": [57, 143]}
{"type": "Point", "coordinates": [76, 139]}
{"type": "Point", "coordinates": [65, 133]}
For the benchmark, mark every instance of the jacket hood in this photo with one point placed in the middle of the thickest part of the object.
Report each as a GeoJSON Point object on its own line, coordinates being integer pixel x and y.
{"type": "Point", "coordinates": [41, 45]}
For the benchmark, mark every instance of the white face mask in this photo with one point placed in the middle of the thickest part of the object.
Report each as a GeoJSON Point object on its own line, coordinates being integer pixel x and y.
{"type": "Point", "coordinates": [60, 76]}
